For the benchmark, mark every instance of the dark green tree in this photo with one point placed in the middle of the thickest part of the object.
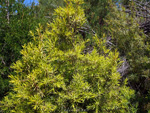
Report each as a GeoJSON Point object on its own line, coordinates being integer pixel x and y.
{"type": "Point", "coordinates": [132, 44]}
{"type": "Point", "coordinates": [96, 11]}
{"type": "Point", "coordinates": [48, 7]}
{"type": "Point", "coordinates": [16, 20]}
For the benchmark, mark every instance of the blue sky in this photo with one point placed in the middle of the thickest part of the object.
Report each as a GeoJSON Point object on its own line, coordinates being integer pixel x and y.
{"type": "Point", "coordinates": [27, 2]}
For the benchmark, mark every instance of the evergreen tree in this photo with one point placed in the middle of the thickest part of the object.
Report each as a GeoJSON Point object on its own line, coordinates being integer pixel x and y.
{"type": "Point", "coordinates": [16, 21]}
{"type": "Point", "coordinates": [56, 75]}
{"type": "Point", "coordinates": [132, 44]}
{"type": "Point", "coordinates": [48, 7]}
{"type": "Point", "coordinates": [96, 11]}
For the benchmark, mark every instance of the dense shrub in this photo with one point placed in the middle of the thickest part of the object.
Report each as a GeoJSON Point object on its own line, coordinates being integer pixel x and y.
{"type": "Point", "coordinates": [55, 75]}
{"type": "Point", "coordinates": [132, 44]}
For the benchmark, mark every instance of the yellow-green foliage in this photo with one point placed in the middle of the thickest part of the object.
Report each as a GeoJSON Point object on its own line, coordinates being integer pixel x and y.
{"type": "Point", "coordinates": [54, 74]}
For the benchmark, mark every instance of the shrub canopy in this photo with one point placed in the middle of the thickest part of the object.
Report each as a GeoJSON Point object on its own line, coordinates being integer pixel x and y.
{"type": "Point", "coordinates": [56, 75]}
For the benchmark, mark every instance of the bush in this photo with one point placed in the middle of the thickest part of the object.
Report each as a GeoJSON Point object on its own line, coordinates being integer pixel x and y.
{"type": "Point", "coordinates": [55, 75]}
{"type": "Point", "coordinates": [133, 45]}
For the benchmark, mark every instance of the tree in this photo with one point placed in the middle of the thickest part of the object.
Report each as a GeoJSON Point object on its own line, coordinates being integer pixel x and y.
{"type": "Point", "coordinates": [16, 21]}
{"type": "Point", "coordinates": [96, 11]}
{"type": "Point", "coordinates": [48, 7]}
{"type": "Point", "coordinates": [131, 42]}
{"type": "Point", "coordinates": [55, 73]}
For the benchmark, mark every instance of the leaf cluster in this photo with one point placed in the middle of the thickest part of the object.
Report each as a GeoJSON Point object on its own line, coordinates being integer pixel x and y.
{"type": "Point", "coordinates": [54, 75]}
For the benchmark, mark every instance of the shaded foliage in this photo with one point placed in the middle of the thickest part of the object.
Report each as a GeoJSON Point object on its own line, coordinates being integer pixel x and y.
{"type": "Point", "coordinates": [132, 44]}
{"type": "Point", "coordinates": [16, 21]}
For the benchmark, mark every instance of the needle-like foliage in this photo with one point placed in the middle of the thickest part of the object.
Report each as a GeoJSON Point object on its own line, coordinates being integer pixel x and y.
{"type": "Point", "coordinates": [54, 74]}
